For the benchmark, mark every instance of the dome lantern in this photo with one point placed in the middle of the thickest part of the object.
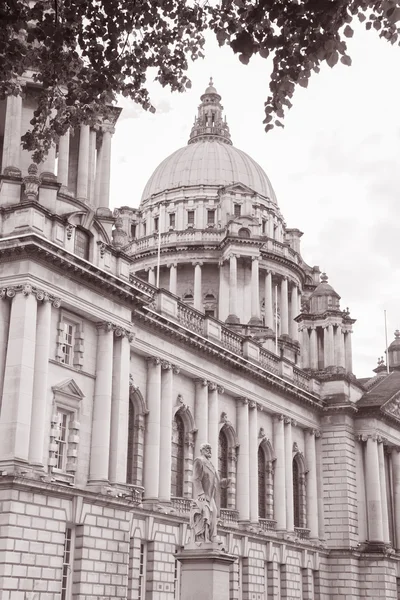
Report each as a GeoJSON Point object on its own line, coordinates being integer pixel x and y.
{"type": "Point", "coordinates": [209, 123]}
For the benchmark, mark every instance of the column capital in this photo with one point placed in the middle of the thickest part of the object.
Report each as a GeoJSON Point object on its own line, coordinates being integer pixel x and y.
{"type": "Point", "coordinates": [148, 269]}
{"type": "Point", "coordinates": [279, 417]}
{"type": "Point", "coordinates": [153, 360]}
{"type": "Point", "coordinates": [252, 404]}
{"type": "Point", "coordinates": [254, 258]}
{"type": "Point", "coordinates": [242, 399]}
{"type": "Point", "coordinates": [197, 263]}
{"type": "Point", "coordinates": [107, 128]}
{"type": "Point", "coordinates": [221, 389]}
{"type": "Point", "coordinates": [104, 325]}
{"type": "Point", "coordinates": [172, 265]}
{"type": "Point", "coordinates": [202, 382]}
{"type": "Point", "coordinates": [287, 421]}
{"type": "Point", "coordinates": [313, 432]}
{"type": "Point", "coordinates": [212, 387]}
{"type": "Point", "coordinates": [122, 332]}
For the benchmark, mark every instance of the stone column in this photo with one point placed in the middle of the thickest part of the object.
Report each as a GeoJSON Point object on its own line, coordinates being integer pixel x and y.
{"type": "Point", "coordinates": [197, 296]}
{"type": "Point", "coordinates": [396, 494]}
{"type": "Point", "coordinates": [255, 291]}
{"type": "Point", "coordinates": [101, 420]}
{"type": "Point", "coordinates": [243, 475]}
{"type": "Point", "coordinates": [269, 303]}
{"type": "Point", "coordinates": [222, 294]}
{"type": "Point", "coordinates": [341, 362]}
{"type": "Point", "coordinates": [12, 133]}
{"type": "Point", "coordinates": [201, 413]}
{"type": "Point", "coordinates": [98, 171]}
{"type": "Point", "coordinates": [294, 311]}
{"type": "Point", "coordinates": [40, 391]}
{"type": "Point", "coordinates": [348, 352]}
{"type": "Point", "coordinates": [329, 355]}
{"type": "Point", "coordinates": [92, 166]}
{"type": "Point", "coordinates": [313, 349]}
{"type": "Point", "coordinates": [166, 431]}
{"type": "Point", "coordinates": [63, 159]}
{"type": "Point", "coordinates": [16, 408]}
{"type": "Point", "coordinates": [253, 462]}
{"type": "Point", "coordinates": [384, 502]}
{"type": "Point", "coordinates": [373, 489]}
{"type": "Point", "coordinates": [172, 278]}
{"type": "Point", "coordinates": [152, 276]}
{"type": "Point", "coordinates": [311, 487]}
{"type": "Point", "coordinates": [83, 163]}
{"type": "Point", "coordinates": [4, 326]}
{"type": "Point", "coordinates": [305, 350]}
{"type": "Point", "coordinates": [120, 407]}
{"type": "Point", "coordinates": [233, 287]}
{"type": "Point", "coordinates": [284, 307]}
{"type": "Point", "coordinates": [289, 474]}
{"type": "Point", "coordinates": [104, 191]}
{"type": "Point", "coordinates": [213, 425]}
{"type": "Point", "coordinates": [152, 433]}
{"type": "Point", "coordinates": [280, 477]}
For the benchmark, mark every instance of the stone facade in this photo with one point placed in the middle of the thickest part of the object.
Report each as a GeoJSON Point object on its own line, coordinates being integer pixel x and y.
{"type": "Point", "coordinates": [109, 385]}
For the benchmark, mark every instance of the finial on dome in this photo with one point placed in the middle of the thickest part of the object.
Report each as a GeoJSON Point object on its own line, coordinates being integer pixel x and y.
{"type": "Point", "coordinates": [211, 81]}
{"type": "Point", "coordinates": [397, 334]}
{"type": "Point", "coordinates": [324, 278]}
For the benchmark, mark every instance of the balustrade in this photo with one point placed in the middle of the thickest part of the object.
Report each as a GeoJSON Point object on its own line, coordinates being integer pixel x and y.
{"type": "Point", "coordinates": [181, 505]}
{"type": "Point", "coordinates": [229, 515]}
{"type": "Point", "coordinates": [231, 341]}
{"type": "Point", "coordinates": [191, 318]}
{"type": "Point", "coordinates": [269, 361]}
{"type": "Point", "coordinates": [267, 524]}
{"type": "Point", "coordinates": [301, 379]}
{"type": "Point", "coordinates": [302, 533]}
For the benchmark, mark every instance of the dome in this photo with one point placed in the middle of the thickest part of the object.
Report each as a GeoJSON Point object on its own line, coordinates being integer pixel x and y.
{"type": "Point", "coordinates": [208, 162]}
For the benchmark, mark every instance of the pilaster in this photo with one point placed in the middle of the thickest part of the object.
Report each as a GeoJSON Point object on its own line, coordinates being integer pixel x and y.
{"type": "Point", "coordinates": [152, 433]}
{"type": "Point", "coordinates": [243, 466]}
{"type": "Point", "coordinates": [201, 413]}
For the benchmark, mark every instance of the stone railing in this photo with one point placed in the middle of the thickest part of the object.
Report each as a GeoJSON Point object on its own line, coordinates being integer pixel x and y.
{"type": "Point", "coordinates": [267, 524]}
{"type": "Point", "coordinates": [269, 361]}
{"type": "Point", "coordinates": [135, 493]}
{"type": "Point", "coordinates": [229, 515]}
{"type": "Point", "coordinates": [173, 238]}
{"type": "Point", "coordinates": [231, 341]}
{"type": "Point", "coordinates": [301, 379]}
{"type": "Point", "coordinates": [302, 533]}
{"type": "Point", "coordinates": [191, 318]}
{"type": "Point", "coordinates": [181, 505]}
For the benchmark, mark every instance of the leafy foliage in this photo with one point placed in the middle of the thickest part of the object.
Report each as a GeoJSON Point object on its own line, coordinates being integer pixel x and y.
{"type": "Point", "coordinates": [83, 53]}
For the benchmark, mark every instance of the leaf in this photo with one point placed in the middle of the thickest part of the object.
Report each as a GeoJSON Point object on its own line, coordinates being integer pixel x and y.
{"type": "Point", "coordinates": [346, 60]}
{"type": "Point", "coordinates": [348, 32]}
{"type": "Point", "coordinates": [332, 59]}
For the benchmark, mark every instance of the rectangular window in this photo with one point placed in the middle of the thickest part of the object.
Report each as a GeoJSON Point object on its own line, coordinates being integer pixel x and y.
{"type": "Point", "coordinates": [190, 217]}
{"type": "Point", "coordinates": [142, 573]}
{"type": "Point", "coordinates": [211, 217]}
{"type": "Point", "coordinates": [66, 580]}
{"type": "Point", "coordinates": [156, 224]}
{"type": "Point", "coordinates": [61, 441]}
{"type": "Point", "coordinates": [68, 341]}
{"type": "Point", "coordinates": [81, 244]}
{"type": "Point", "coordinates": [172, 219]}
{"type": "Point", "coordinates": [144, 229]}
{"type": "Point", "coordinates": [237, 210]}
{"type": "Point", "coordinates": [264, 227]}
{"type": "Point", "coordinates": [133, 231]}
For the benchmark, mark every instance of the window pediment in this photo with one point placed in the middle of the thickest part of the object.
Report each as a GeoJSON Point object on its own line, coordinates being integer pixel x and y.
{"type": "Point", "coordinates": [69, 392]}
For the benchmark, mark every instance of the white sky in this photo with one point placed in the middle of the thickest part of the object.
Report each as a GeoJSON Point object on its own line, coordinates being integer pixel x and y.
{"type": "Point", "coordinates": [335, 167]}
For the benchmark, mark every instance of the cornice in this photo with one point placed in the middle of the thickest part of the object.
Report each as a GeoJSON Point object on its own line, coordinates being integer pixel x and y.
{"type": "Point", "coordinates": [38, 248]}
{"type": "Point", "coordinates": [156, 321]}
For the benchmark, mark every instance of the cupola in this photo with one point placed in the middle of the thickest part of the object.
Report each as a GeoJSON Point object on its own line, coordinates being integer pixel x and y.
{"type": "Point", "coordinates": [394, 352]}
{"type": "Point", "coordinates": [324, 298]}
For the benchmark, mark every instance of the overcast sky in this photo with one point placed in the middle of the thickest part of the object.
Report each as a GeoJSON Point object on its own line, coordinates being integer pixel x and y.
{"type": "Point", "coordinates": [335, 167]}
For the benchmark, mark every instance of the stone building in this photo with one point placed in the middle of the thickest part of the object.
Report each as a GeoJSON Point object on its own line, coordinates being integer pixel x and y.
{"type": "Point", "coordinates": [129, 337]}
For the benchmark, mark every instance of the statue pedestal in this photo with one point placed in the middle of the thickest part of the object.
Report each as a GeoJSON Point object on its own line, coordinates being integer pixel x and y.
{"type": "Point", "coordinates": [205, 572]}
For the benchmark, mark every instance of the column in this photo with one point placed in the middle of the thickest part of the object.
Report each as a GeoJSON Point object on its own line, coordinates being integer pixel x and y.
{"type": "Point", "coordinates": [243, 475]}
{"type": "Point", "coordinates": [313, 349]}
{"type": "Point", "coordinates": [280, 478]}
{"type": "Point", "coordinates": [253, 462]}
{"type": "Point", "coordinates": [152, 276]}
{"type": "Point", "coordinates": [396, 494]}
{"type": "Point", "coordinates": [289, 474]}
{"type": "Point", "coordinates": [172, 278]}
{"type": "Point", "coordinates": [167, 375]}
{"type": "Point", "coordinates": [104, 192]}
{"type": "Point", "coordinates": [311, 487]}
{"type": "Point", "coordinates": [348, 352]}
{"type": "Point", "coordinates": [373, 489]}
{"type": "Point", "coordinates": [98, 172]}
{"type": "Point", "coordinates": [255, 291]}
{"type": "Point", "coordinates": [201, 414]}
{"type": "Point", "coordinates": [213, 425]}
{"type": "Point", "coordinates": [12, 133]}
{"type": "Point", "coordinates": [305, 350]}
{"type": "Point", "coordinates": [269, 305]}
{"type": "Point", "coordinates": [101, 420]}
{"type": "Point", "coordinates": [197, 296]}
{"type": "Point", "coordinates": [232, 286]}
{"type": "Point", "coordinates": [92, 166]}
{"type": "Point", "coordinates": [284, 307]}
{"type": "Point", "coordinates": [339, 343]}
{"type": "Point", "coordinates": [16, 408]}
{"type": "Point", "coordinates": [120, 407]}
{"type": "Point", "coordinates": [327, 350]}
{"type": "Point", "coordinates": [382, 481]}
{"type": "Point", "coordinates": [4, 326]}
{"type": "Point", "coordinates": [49, 163]}
{"type": "Point", "coordinates": [294, 311]}
{"type": "Point", "coordinates": [83, 163]}
{"type": "Point", "coordinates": [222, 294]}
{"type": "Point", "coordinates": [63, 159]}
{"type": "Point", "coordinates": [152, 432]}
{"type": "Point", "coordinates": [40, 391]}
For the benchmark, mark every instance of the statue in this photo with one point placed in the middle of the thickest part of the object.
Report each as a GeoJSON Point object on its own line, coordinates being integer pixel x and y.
{"type": "Point", "coordinates": [206, 498]}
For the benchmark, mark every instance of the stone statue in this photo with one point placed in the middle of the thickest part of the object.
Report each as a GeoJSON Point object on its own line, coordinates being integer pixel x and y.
{"type": "Point", "coordinates": [206, 498]}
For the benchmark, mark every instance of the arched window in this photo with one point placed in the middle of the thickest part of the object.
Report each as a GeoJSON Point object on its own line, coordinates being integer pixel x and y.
{"type": "Point", "coordinates": [299, 492]}
{"type": "Point", "coordinates": [244, 232]}
{"type": "Point", "coordinates": [223, 465]}
{"type": "Point", "coordinates": [135, 442]}
{"type": "Point", "coordinates": [261, 484]}
{"type": "Point", "coordinates": [178, 456]}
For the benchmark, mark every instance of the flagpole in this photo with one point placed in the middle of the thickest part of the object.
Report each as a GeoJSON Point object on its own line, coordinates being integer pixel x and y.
{"type": "Point", "coordinates": [386, 342]}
